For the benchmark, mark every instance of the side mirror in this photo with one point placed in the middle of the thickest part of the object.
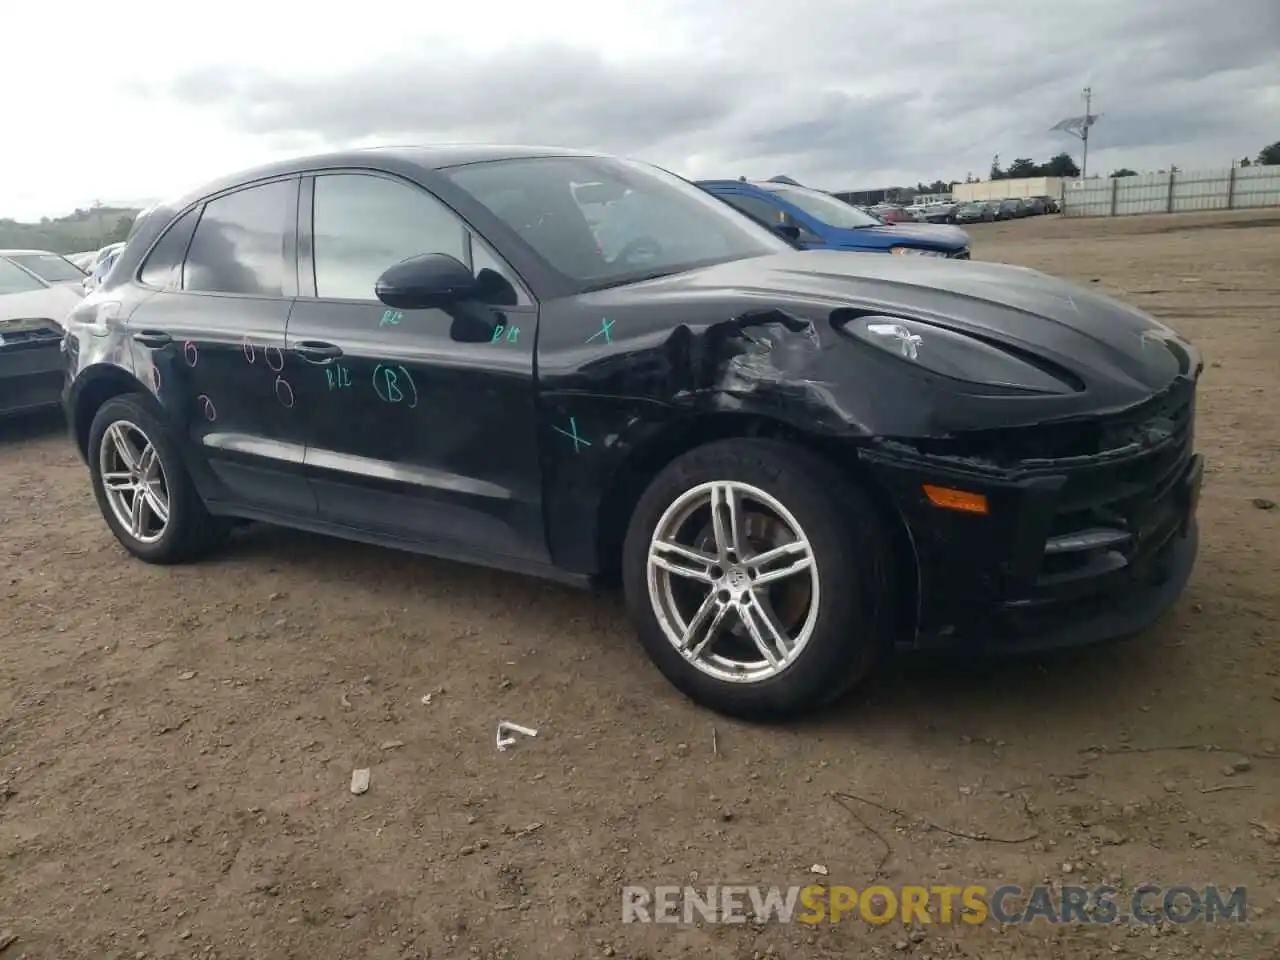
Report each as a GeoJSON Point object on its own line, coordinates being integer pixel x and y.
{"type": "Point", "coordinates": [787, 231]}
{"type": "Point", "coordinates": [422, 282]}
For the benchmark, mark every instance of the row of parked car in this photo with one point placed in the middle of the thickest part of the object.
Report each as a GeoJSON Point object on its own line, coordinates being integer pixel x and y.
{"type": "Point", "coordinates": [971, 211]}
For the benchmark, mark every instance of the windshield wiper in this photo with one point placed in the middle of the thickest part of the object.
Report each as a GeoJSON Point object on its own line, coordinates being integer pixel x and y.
{"type": "Point", "coordinates": [630, 278]}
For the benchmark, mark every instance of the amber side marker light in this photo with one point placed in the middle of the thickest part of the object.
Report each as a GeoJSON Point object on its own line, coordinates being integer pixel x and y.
{"type": "Point", "coordinates": [961, 500]}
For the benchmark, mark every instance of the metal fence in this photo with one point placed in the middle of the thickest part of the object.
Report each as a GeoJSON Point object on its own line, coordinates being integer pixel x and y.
{"type": "Point", "coordinates": [1182, 191]}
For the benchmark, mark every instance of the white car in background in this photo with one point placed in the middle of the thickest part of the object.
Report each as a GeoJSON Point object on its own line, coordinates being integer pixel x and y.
{"type": "Point", "coordinates": [916, 211]}
{"type": "Point", "coordinates": [102, 268]}
{"type": "Point", "coordinates": [31, 318]}
{"type": "Point", "coordinates": [83, 260]}
{"type": "Point", "coordinates": [101, 255]}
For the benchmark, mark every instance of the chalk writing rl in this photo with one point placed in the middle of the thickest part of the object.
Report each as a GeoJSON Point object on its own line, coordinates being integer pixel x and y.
{"type": "Point", "coordinates": [512, 334]}
{"type": "Point", "coordinates": [572, 434]}
{"type": "Point", "coordinates": [606, 331]}
{"type": "Point", "coordinates": [390, 318]}
{"type": "Point", "coordinates": [393, 384]}
{"type": "Point", "coordinates": [337, 376]}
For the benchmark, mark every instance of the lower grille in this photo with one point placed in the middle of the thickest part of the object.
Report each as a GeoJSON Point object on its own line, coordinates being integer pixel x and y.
{"type": "Point", "coordinates": [1129, 506]}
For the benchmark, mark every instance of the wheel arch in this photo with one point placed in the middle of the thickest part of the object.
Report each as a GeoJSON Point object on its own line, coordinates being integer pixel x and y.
{"type": "Point", "coordinates": [647, 460]}
{"type": "Point", "coordinates": [97, 386]}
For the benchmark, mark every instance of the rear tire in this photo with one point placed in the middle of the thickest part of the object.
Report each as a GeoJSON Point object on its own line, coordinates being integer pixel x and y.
{"type": "Point", "coordinates": [143, 488]}
{"type": "Point", "coordinates": [834, 637]}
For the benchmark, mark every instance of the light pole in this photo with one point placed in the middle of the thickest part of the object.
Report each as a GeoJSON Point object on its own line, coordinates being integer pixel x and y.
{"type": "Point", "coordinates": [1079, 127]}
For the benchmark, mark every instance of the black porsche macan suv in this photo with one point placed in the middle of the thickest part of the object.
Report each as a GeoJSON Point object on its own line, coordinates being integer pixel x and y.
{"type": "Point", "coordinates": [580, 367]}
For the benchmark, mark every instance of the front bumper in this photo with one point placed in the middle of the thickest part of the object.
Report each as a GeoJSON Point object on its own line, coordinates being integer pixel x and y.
{"type": "Point", "coordinates": [1072, 550]}
{"type": "Point", "coordinates": [31, 375]}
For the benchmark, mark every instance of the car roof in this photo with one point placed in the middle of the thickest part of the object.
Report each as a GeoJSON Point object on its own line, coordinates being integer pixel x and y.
{"type": "Point", "coordinates": [426, 157]}
{"type": "Point", "coordinates": [29, 253]}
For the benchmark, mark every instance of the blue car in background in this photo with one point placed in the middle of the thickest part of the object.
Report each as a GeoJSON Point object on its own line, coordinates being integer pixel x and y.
{"type": "Point", "coordinates": [818, 221]}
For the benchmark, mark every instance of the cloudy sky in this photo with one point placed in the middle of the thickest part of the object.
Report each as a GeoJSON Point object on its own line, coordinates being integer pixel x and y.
{"type": "Point", "coordinates": [139, 99]}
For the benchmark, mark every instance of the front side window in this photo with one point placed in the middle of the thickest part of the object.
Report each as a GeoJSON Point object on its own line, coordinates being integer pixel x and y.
{"type": "Point", "coordinates": [602, 221]}
{"type": "Point", "coordinates": [364, 224]}
{"type": "Point", "coordinates": [49, 267]}
{"type": "Point", "coordinates": [823, 207]}
{"type": "Point", "coordinates": [238, 245]}
{"type": "Point", "coordinates": [13, 279]}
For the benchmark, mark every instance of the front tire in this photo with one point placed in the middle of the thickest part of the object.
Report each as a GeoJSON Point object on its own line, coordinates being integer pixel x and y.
{"type": "Point", "coordinates": [143, 489]}
{"type": "Point", "coordinates": [759, 578]}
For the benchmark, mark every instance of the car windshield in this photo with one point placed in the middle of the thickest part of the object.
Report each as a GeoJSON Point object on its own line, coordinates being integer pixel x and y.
{"type": "Point", "coordinates": [48, 266]}
{"type": "Point", "coordinates": [823, 206]}
{"type": "Point", "coordinates": [603, 221]}
{"type": "Point", "coordinates": [16, 280]}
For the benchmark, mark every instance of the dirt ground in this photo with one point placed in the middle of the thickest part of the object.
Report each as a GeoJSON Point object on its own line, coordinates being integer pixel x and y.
{"type": "Point", "coordinates": [176, 745]}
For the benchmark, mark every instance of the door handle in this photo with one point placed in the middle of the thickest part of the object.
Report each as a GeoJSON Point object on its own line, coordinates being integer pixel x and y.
{"type": "Point", "coordinates": [317, 351]}
{"type": "Point", "coordinates": [153, 338]}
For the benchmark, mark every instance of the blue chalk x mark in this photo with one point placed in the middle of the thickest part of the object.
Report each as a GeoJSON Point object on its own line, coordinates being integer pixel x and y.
{"type": "Point", "coordinates": [606, 331]}
{"type": "Point", "coordinates": [393, 384]}
{"type": "Point", "coordinates": [337, 376]}
{"type": "Point", "coordinates": [572, 434]}
{"type": "Point", "coordinates": [390, 318]}
{"type": "Point", "coordinates": [513, 334]}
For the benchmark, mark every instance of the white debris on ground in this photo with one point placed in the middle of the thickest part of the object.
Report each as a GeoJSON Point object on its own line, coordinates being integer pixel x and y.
{"type": "Point", "coordinates": [360, 781]}
{"type": "Point", "coordinates": [506, 730]}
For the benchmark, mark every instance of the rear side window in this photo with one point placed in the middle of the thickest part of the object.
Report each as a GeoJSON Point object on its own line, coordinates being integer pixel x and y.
{"type": "Point", "coordinates": [161, 268]}
{"type": "Point", "coordinates": [238, 245]}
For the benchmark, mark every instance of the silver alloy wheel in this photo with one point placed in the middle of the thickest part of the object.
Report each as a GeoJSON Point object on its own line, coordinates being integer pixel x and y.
{"type": "Point", "coordinates": [134, 482]}
{"type": "Point", "coordinates": [723, 558]}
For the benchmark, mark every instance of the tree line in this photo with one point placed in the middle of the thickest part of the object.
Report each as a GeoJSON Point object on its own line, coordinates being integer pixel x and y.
{"type": "Point", "coordinates": [78, 232]}
{"type": "Point", "coordinates": [1059, 165]}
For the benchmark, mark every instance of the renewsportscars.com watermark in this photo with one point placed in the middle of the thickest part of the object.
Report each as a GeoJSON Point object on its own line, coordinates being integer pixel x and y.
{"type": "Point", "coordinates": [974, 904]}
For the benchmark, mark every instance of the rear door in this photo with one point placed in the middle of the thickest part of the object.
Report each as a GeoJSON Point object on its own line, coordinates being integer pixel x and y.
{"type": "Point", "coordinates": [421, 424]}
{"type": "Point", "coordinates": [211, 344]}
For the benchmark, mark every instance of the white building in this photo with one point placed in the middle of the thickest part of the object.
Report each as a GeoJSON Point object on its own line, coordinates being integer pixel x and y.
{"type": "Point", "coordinates": [1004, 189]}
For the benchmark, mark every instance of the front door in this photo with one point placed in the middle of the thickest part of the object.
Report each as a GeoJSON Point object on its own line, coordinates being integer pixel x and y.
{"type": "Point", "coordinates": [210, 343]}
{"type": "Point", "coordinates": [421, 423]}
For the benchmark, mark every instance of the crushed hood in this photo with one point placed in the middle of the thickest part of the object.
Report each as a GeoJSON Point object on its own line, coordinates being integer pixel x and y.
{"type": "Point", "coordinates": [1101, 340]}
